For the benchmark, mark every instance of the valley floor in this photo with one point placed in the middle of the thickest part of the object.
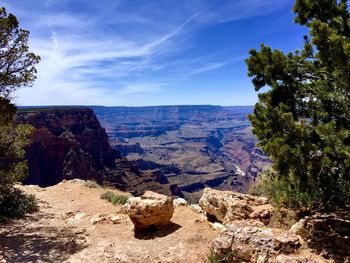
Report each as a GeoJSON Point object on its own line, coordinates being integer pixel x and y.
{"type": "Point", "coordinates": [62, 232]}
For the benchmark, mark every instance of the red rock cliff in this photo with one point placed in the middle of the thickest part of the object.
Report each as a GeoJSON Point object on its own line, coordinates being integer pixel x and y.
{"type": "Point", "coordinates": [68, 143]}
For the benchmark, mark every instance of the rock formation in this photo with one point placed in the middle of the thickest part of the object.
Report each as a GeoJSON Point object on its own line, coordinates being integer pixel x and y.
{"type": "Point", "coordinates": [151, 209]}
{"type": "Point", "coordinates": [245, 236]}
{"type": "Point", "coordinates": [70, 143]}
{"type": "Point", "coordinates": [251, 243]}
{"type": "Point", "coordinates": [67, 144]}
{"type": "Point", "coordinates": [326, 233]}
{"type": "Point", "coordinates": [228, 206]}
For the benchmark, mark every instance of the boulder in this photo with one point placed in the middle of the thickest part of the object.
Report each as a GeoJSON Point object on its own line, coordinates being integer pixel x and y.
{"type": "Point", "coordinates": [300, 228]}
{"type": "Point", "coordinates": [245, 242]}
{"type": "Point", "coordinates": [229, 206]}
{"type": "Point", "coordinates": [327, 234]}
{"type": "Point", "coordinates": [151, 209]}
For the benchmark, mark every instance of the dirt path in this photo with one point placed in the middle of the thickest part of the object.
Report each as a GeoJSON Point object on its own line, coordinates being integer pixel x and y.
{"type": "Point", "coordinates": [62, 232]}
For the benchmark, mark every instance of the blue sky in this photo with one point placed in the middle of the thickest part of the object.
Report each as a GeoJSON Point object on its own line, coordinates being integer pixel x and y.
{"type": "Point", "coordinates": [149, 52]}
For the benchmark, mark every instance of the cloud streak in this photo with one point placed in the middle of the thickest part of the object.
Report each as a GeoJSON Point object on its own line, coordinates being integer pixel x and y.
{"type": "Point", "coordinates": [107, 51]}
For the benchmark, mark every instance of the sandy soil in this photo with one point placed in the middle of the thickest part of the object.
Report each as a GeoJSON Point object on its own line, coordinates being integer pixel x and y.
{"type": "Point", "coordinates": [54, 234]}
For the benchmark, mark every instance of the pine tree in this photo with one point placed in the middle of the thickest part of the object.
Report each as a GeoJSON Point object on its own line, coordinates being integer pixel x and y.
{"type": "Point", "coordinates": [17, 69]}
{"type": "Point", "coordinates": [303, 120]}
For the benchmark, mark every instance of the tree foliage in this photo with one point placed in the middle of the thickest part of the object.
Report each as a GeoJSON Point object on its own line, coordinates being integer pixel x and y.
{"type": "Point", "coordinates": [17, 69]}
{"type": "Point", "coordinates": [303, 120]}
{"type": "Point", "coordinates": [17, 64]}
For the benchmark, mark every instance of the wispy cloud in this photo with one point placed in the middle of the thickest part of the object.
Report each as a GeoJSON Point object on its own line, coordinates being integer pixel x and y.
{"type": "Point", "coordinates": [106, 51]}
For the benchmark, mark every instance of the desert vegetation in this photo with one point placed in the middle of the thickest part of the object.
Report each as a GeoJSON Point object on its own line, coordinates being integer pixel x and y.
{"type": "Point", "coordinates": [115, 198]}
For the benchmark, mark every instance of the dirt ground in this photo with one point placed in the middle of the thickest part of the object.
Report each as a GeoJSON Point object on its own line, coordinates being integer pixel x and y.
{"type": "Point", "coordinates": [62, 232]}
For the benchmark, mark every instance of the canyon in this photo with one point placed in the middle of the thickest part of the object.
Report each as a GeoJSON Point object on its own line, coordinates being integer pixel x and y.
{"type": "Point", "coordinates": [69, 143]}
{"type": "Point", "coordinates": [74, 223]}
{"type": "Point", "coordinates": [194, 146]}
{"type": "Point", "coordinates": [173, 150]}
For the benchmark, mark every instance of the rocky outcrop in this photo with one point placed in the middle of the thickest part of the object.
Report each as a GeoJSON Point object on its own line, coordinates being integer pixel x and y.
{"type": "Point", "coordinates": [227, 206]}
{"type": "Point", "coordinates": [245, 236]}
{"type": "Point", "coordinates": [326, 233]}
{"type": "Point", "coordinates": [68, 143]}
{"type": "Point", "coordinates": [151, 209]}
{"type": "Point", "coordinates": [245, 242]}
{"type": "Point", "coordinates": [249, 243]}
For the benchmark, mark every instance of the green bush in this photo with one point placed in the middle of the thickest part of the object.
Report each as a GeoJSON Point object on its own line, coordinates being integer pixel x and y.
{"type": "Point", "coordinates": [114, 198]}
{"type": "Point", "coordinates": [227, 257]}
{"type": "Point", "coordinates": [14, 203]}
{"type": "Point", "coordinates": [283, 191]}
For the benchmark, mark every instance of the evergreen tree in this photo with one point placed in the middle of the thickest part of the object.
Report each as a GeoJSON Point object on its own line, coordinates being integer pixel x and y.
{"type": "Point", "coordinates": [17, 69]}
{"type": "Point", "coordinates": [303, 120]}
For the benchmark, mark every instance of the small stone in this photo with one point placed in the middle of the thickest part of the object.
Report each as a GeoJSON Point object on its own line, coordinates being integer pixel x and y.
{"type": "Point", "coordinates": [77, 216]}
{"type": "Point", "coordinates": [197, 209]}
{"type": "Point", "coordinates": [115, 219]}
{"type": "Point", "coordinates": [217, 226]}
{"type": "Point", "coordinates": [201, 219]}
{"type": "Point", "coordinates": [180, 202]}
{"type": "Point", "coordinates": [105, 219]}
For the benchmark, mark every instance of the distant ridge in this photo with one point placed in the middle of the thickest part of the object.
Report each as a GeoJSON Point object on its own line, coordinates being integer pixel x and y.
{"type": "Point", "coordinates": [149, 106]}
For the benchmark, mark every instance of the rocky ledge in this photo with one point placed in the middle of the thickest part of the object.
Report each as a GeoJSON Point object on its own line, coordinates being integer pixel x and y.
{"type": "Point", "coordinates": [246, 234]}
{"type": "Point", "coordinates": [69, 228]}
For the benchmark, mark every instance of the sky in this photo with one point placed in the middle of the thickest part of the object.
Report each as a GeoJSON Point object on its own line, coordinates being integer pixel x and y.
{"type": "Point", "coordinates": [149, 52]}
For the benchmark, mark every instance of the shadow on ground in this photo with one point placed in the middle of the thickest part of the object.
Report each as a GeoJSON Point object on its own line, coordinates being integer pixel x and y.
{"type": "Point", "coordinates": [330, 236]}
{"type": "Point", "coordinates": [152, 232]}
{"type": "Point", "coordinates": [20, 241]}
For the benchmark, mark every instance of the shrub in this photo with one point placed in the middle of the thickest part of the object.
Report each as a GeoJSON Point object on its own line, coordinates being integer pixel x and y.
{"type": "Point", "coordinates": [14, 203]}
{"type": "Point", "coordinates": [226, 257]}
{"type": "Point", "coordinates": [91, 184]}
{"type": "Point", "coordinates": [114, 198]}
{"type": "Point", "coordinates": [283, 191]}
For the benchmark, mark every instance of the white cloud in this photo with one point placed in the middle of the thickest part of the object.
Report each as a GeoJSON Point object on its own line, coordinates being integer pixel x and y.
{"type": "Point", "coordinates": [104, 54]}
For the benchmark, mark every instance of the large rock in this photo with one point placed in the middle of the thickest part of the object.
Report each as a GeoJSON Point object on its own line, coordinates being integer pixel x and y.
{"type": "Point", "coordinates": [246, 242]}
{"type": "Point", "coordinates": [229, 206]}
{"type": "Point", "coordinates": [151, 209]}
{"type": "Point", "coordinates": [327, 234]}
